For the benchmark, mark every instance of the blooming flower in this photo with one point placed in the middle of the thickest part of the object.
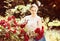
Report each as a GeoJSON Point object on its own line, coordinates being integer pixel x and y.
{"type": "Point", "coordinates": [39, 32]}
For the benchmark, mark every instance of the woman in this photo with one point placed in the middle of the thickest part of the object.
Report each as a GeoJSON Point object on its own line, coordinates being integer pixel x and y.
{"type": "Point", "coordinates": [33, 23]}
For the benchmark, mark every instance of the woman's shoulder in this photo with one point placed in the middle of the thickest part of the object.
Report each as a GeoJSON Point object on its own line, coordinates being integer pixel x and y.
{"type": "Point", "coordinates": [27, 16]}
{"type": "Point", "coordinates": [38, 17]}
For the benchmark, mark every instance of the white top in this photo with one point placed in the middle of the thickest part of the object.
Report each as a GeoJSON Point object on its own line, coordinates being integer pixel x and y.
{"type": "Point", "coordinates": [32, 22]}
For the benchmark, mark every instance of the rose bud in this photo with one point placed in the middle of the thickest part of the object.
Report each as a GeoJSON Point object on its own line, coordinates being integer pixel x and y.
{"type": "Point", "coordinates": [13, 17]}
{"type": "Point", "coordinates": [9, 18]}
{"type": "Point", "coordinates": [2, 21]}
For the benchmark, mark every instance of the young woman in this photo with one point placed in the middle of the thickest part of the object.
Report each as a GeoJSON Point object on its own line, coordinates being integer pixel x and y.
{"type": "Point", "coordinates": [33, 23]}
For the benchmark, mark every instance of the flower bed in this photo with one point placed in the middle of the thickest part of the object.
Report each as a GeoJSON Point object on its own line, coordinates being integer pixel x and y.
{"type": "Point", "coordinates": [10, 30]}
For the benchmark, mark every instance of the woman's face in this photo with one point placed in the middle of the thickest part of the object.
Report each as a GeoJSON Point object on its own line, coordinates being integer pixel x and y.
{"type": "Point", "coordinates": [33, 10]}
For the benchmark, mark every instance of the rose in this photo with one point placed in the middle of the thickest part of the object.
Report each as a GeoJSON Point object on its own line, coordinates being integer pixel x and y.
{"type": "Point", "coordinates": [23, 25]}
{"type": "Point", "coordinates": [11, 17]}
{"type": "Point", "coordinates": [26, 37]}
{"type": "Point", "coordinates": [11, 20]}
{"type": "Point", "coordinates": [6, 24]}
{"type": "Point", "coordinates": [39, 32]}
{"type": "Point", "coordinates": [7, 35]}
{"type": "Point", "coordinates": [15, 23]}
{"type": "Point", "coordinates": [14, 31]}
{"type": "Point", "coordinates": [2, 22]}
{"type": "Point", "coordinates": [23, 34]}
{"type": "Point", "coordinates": [22, 31]}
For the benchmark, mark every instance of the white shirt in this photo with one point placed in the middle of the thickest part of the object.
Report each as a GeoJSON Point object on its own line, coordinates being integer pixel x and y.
{"type": "Point", "coordinates": [32, 22]}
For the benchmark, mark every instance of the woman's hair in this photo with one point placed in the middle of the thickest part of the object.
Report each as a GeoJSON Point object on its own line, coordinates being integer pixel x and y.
{"type": "Point", "coordinates": [34, 5]}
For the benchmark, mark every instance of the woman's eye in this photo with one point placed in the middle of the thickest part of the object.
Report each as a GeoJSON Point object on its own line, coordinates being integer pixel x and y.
{"type": "Point", "coordinates": [33, 10]}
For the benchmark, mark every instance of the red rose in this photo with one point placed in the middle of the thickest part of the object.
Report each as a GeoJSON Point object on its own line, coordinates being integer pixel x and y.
{"type": "Point", "coordinates": [26, 37]}
{"type": "Point", "coordinates": [13, 17]}
{"type": "Point", "coordinates": [23, 25]}
{"type": "Point", "coordinates": [14, 31]}
{"type": "Point", "coordinates": [7, 35]}
{"type": "Point", "coordinates": [2, 22]}
{"type": "Point", "coordinates": [8, 25]}
{"type": "Point", "coordinates": [15, 23]}
{"type": "Point", "coordinates": [22, 32]}
{"type": "Point", "coordinates": [5, 25]}
{"type": "Point", "coordinates": [39, 32]}
{"type": "Point", "coordinates": [9, 18]}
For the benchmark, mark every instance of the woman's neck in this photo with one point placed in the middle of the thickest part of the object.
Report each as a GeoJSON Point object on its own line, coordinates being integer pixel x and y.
{"type": "Point", "coordinates": [33, 15]}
